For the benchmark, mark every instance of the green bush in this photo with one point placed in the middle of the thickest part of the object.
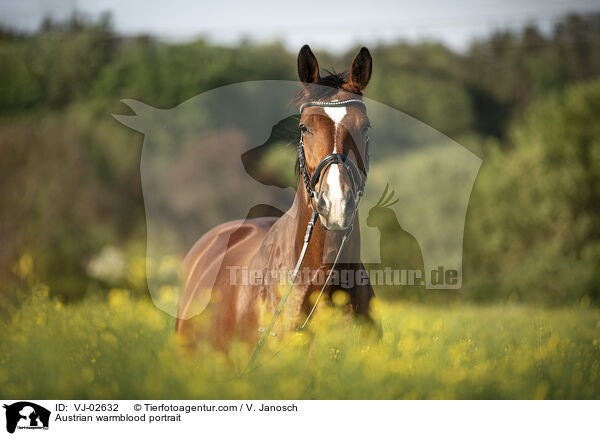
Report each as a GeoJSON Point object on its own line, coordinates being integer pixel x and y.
{"type": "Point", "coordinates": [533, 229]}
{"type": "Point", "coordinates": [70, 173]}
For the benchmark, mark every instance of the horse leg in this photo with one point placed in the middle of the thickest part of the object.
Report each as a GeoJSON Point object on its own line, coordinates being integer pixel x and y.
{"type": "Point", "coordinates": [361, 297]}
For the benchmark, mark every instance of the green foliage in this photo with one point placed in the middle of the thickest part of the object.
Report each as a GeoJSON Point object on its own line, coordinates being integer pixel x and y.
{"type": "Point", "coordinates": [125, 348]}
{"type": "Point", "coordinates": [448, 109]}
{"type": "Point", "coordinates": [165, 75]}
{"type": "Point", "coordinates": [66, 192]}
{"type": "Point", "coordinates": [70, 173]}
{"type": "Point", "coordinates": [534, 229]}
{"type": "Point", "coordinates": [55, 67]}
{"type": "Point", "coordinates": [424, 81]}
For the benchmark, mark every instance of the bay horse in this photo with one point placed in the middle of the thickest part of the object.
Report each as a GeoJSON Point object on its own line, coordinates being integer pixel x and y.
{"type": "Point", "coordinates": [333, 163]}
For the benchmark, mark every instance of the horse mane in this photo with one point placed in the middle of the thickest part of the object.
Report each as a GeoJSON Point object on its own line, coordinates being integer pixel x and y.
{"type": "Point", "coordinates": [328, 86]}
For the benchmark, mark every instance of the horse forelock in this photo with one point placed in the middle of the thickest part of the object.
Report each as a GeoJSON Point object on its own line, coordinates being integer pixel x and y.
{"type": "Point", "coordinates": [325, 88]}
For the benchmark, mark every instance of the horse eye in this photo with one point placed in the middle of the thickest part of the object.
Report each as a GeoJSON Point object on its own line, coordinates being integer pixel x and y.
{"type": "Point", "coordinates": [303, 128]}
{"type": "Point", "coordinates": [364, 129]}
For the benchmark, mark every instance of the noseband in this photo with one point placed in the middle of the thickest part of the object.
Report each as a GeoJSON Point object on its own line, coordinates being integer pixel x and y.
{"type": "Point", "coordinates": [358, 176]}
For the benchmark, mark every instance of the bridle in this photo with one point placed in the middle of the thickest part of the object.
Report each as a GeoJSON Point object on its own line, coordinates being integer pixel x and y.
{"type": "Point", "coordinates": [358, 176]}
{"type": "Point", "coordinates": [359, 179]}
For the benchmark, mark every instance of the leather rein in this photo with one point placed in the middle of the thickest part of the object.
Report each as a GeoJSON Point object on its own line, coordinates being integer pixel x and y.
{"type": "Point", "coordinates": [359, 178]}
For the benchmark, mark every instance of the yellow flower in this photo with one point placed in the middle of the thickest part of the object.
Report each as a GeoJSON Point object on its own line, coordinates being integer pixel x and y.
{"type": "Point", "coordinates": [24, 266]}
{"type": "Point", "coordinates": [340, 298]}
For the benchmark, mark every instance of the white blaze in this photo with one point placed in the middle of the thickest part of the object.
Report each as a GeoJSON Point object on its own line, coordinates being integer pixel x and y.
{"type": "Point", "coordinates": [336, 114]}
{"type": "Point", "coordinates": [334, 176]}
{"type": "Point", "coordinates": [334, 182]}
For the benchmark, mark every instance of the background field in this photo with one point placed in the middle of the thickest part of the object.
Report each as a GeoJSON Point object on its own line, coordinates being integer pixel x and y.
{"type": "Point", "coordinates": [125, 348]}
{"type": "Point", "coordinates": [74, 308]}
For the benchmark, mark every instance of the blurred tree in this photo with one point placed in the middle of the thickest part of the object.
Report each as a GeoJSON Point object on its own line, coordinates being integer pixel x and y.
{"type": "Point", "coordinates": [533, 229]}
{"type": "Point", "coordinates": [534, 224]}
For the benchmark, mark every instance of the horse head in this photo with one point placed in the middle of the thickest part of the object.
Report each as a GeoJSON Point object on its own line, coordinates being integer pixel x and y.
{"type": "Point", "coordinates": [333, 124]}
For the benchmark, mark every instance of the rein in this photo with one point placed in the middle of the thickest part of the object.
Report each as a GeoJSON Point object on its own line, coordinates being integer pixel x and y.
{"type": "Point", "coordinates": [359, 178]}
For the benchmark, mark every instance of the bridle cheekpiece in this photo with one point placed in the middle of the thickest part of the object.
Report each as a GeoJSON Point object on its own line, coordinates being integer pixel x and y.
{"type": "Point", "coordinates": [358, 176]}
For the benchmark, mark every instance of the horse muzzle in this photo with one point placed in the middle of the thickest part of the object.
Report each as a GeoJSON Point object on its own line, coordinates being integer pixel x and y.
{"type": "Point", "coordinates": [336, 203]}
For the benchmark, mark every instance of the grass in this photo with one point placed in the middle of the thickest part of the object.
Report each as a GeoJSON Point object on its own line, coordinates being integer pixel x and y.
{"type": "Point", "coordinates": [122, 347]}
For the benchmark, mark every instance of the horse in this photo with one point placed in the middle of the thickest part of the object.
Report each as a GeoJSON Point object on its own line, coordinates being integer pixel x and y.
{"type": "Point", "coordinates": [320, 231]}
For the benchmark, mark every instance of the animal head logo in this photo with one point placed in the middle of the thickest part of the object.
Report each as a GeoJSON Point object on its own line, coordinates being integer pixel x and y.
{"type": "Point", "coordinates": [26, 415]}
{"type": "Point", "coordinates": [217, 157]}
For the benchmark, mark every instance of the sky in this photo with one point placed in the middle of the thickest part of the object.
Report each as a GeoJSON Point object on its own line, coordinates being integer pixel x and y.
{"type": "Point", "coordinates": [331, 25]}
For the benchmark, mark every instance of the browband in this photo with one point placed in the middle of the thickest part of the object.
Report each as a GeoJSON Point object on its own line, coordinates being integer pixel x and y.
{"type": "Point", "coordinates": [333, 103]}
{"type": "Point", "coordinates": [359, 177]}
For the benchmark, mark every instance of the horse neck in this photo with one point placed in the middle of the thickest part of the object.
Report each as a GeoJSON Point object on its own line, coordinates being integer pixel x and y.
{"type": "Point", "coordinates": [324, 244]}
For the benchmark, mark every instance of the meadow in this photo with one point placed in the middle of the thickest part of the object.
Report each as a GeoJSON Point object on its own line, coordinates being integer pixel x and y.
{"type": "Point", "coordinates": [124, 347]}
{"type": "Point", "coordinates": [75, 311]}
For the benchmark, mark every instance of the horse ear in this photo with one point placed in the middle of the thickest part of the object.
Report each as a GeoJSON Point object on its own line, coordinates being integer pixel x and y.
{"type": "Point", "coordinates": [308, 67]}
{"type": "Point", "coordinates": [360, 71]}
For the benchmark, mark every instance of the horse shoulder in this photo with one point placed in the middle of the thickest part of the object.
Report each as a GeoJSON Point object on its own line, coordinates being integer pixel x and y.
{"type": "Point", "coordinates": [229, 244]}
